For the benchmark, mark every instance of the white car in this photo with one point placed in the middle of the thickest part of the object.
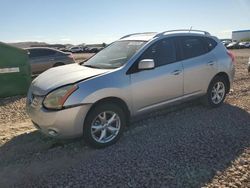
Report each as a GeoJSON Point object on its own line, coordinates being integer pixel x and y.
{"type": "Point", "coordinates": [244, 44]}
{"type": "Point", "coordinates": [76, 49]}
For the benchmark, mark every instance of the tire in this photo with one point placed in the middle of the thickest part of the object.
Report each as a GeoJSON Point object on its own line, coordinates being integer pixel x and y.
{"type": "Point", "coordinates": [95, 127]}
{"type": "Point", "coordinates": [216, 92]}
{"type": "Point", "coordinates": [58, 64]}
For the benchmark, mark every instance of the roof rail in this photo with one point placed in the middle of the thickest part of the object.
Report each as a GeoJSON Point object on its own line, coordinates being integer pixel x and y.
{"type": "Point", "coordinates": [146, 33]}
{"type": "Point", "coordinates": [181, 30]}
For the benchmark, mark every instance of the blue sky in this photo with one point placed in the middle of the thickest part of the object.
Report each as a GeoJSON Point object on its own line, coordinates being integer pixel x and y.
{"type": "Point", "coordinates": [94, 21]}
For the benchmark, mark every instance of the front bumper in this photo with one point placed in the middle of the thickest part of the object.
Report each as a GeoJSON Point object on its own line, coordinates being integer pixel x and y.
{"type": "Point", "coordinates": [66, 123]}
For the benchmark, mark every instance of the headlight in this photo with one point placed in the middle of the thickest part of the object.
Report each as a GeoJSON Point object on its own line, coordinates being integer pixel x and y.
{"type": "Point", "coordinates": [56, 99]}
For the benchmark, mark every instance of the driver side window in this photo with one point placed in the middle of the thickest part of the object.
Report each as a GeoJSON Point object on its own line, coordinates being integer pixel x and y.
{"type": "Point", "coordinates": [162, 52]}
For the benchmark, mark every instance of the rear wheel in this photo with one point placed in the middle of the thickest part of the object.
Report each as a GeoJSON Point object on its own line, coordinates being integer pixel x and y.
{"type": "Point", "coordinates": [104, 125]}
{"type": "Point", "coordinates": [216, 92]}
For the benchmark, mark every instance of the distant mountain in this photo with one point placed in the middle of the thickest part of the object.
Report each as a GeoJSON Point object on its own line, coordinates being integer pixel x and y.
{"type": "Point", "coordinates": [27, 44]}
{"type": "Point", "coordinates": [44, 44]}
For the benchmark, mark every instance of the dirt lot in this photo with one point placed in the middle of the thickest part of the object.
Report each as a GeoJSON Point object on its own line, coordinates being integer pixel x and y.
{"type": "Point", "coordinates": [79, 57]}
{"type": "Point", "coordinates": [183, 146]}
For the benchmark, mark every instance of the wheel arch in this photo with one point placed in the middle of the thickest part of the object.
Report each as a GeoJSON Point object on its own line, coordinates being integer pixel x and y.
{"type": "Point", "coordinates": [226, 78]}
{"type": "Point", "coordinates": [113, 100]}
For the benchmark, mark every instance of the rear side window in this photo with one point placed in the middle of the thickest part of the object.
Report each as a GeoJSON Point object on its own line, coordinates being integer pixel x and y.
{"type": "Point", "coordinates": [192, 47]}
{"type": "Point", "coordinates": [41, 52]}
{"type": "Point", "coordinates": [210, 43]}
{"type": "Point", "coordinates": [162, 52]}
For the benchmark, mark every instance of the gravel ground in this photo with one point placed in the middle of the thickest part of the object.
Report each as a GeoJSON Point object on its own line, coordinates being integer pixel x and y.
{"type": "Point", "coordinates": [12, 109]}
{"type": "Point", "coordinates": [185, 146]}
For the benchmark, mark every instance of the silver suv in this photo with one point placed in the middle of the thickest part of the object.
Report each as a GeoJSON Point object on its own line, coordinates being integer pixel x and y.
{"type": "Point", "coordinates": [136, 74]}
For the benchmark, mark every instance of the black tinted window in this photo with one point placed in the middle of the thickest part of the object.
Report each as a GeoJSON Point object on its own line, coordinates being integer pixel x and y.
{"type": "Point", "coordinates": [210, 43]}
{"type": "Point", "coordinates": [192, 46]}
{"type": "Point", "coordinates": [162, 52]}
{"type": "Point", "coordinates": [40, 52]}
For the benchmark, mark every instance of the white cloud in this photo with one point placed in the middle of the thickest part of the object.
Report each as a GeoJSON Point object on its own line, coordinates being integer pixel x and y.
{"type": "Point", "coordinates": [224, 33]}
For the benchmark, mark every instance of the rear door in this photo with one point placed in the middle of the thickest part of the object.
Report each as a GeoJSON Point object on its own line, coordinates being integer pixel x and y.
{"type": "Point", "coordinates": [151, 88]}
{"type": "Point", "coordinates": [41, 59]}
{"type": "Point", "coordinates": [199, 63]}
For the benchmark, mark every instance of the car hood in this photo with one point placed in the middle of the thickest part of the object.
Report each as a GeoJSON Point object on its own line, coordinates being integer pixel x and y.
{"type": "Point", "coordinates": [63, 75]}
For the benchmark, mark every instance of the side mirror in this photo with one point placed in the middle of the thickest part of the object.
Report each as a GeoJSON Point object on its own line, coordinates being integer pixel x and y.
{"type": "Point", "coordinates": [146, 64]}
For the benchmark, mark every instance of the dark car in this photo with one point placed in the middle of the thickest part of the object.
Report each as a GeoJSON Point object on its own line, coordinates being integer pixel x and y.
{"type": "Point", "coordinates": [95, 49]}
{"type": "Point", "coordinates": [42, 59]}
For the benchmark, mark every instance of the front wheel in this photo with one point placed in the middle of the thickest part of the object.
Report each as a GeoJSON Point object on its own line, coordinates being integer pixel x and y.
{"type": "Point", "coordinates": [216, 92]}
{"type": "Point", "coordinates": [104, 125]}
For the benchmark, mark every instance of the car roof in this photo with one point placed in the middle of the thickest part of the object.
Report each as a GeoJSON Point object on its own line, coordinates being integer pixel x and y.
{"type": "Point", "coordinates": [41, 48]}
{"type": "Point", "coordinates": [147, 36]}
{"type": "Point", "coordinates": [30, 48]}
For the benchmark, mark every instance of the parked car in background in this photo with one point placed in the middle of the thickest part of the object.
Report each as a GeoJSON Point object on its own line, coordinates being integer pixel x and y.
{"type": "Point", "coordinates": [134, 75]}
{"type": "Point", "coordinates": [233, 45]}
{"type": "Point", "coordinates": [226, 42]}
{"type": "Point", "coordinates": [244, 45]}
{"type": "Point", "coordinates": [42, 59]}
{"type": "Point", "coordinates": [93, 50]}
{"type": "Point", "coordinates": [64, 49]}
{"type": "Point", "coordinates": [247, 45]}
{"type": "Point", "coordinates": [86, 49]}
{"type": "Point", "coordinates": [76, 49]}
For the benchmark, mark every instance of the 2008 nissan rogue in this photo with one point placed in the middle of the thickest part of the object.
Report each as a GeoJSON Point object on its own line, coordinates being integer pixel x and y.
{"type": "Point", "coordinates": [136, 74]}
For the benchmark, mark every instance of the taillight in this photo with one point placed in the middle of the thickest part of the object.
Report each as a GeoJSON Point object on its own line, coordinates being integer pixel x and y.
{"type": "Point", "coordinates": [231, 55]}
{"type": "Point", "coordinates": [71, 56]}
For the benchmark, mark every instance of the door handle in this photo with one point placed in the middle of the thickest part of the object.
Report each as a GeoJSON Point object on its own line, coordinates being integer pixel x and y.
{"type": "Point", "coordinates": [176, 72]}
{"type": "Point", "coordinates": [210, 63]}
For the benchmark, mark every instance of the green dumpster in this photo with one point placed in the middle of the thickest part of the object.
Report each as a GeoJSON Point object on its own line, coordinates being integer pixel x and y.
{"type": "Point", "coordinates": [15, 74]}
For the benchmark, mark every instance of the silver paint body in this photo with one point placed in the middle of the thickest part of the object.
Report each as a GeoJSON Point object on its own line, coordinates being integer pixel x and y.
{"type": "Point", "coordinates": [142, 91]}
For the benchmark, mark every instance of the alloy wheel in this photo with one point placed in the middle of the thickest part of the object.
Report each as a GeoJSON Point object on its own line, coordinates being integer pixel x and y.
{"type": "Point", "coordinates": [105, 127]}
{"type": "Point", "coordinates": [218, 92]}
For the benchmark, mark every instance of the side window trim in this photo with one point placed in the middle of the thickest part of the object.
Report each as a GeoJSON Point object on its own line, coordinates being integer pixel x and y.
{"type": "Point", "coordinates": [181, 44]}
{"type": "Point", "coordinates": [133, 68]}
{"type": "Point", "coordinates": [179, 49]}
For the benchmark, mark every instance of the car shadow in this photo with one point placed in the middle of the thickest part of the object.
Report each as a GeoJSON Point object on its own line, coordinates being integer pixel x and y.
{"type": "Point", "coordinates": [183, 146]}
{"type": "Point", "coordinates": [8, 100]}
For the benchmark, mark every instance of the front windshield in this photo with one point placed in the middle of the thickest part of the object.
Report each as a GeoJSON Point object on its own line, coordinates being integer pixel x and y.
{"type": "Point", "coordinates": [115, 55]}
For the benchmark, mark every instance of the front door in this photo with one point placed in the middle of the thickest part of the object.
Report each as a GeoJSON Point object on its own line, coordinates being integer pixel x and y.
{"type": "Point", "coordinates": [154, 87]}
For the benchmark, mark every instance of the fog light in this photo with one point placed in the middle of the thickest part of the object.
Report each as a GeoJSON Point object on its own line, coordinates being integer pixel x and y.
{"type": "Point", "coordinates": [52, 133]}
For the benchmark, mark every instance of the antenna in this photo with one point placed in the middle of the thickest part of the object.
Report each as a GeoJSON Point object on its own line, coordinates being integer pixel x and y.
{"type": "Point", "coordinates": [190, 29]}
